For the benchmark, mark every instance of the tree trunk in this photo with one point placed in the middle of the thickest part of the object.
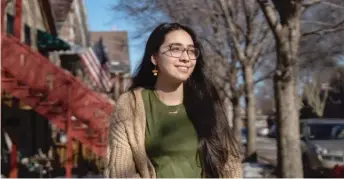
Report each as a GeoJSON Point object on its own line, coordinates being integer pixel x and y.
{"type": "Point", "coordinates": [250, 110]}
{"type": "Point", "coordinates": [289, 148]}
{"type": "Point", "coordinates": [286, 30]}
{"type": "Point", "coordinates": [237, 124]}
{"type": "Point", "coordinates": [288, 143]}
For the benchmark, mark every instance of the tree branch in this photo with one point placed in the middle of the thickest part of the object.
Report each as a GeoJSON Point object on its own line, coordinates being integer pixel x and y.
{"type": "Point", "coordinates": [265, 77]}
{"type": "Point", "coordinates": [213, 47]}
{"type": "Point", "coordinates": [249, 28]}
{"type": "Point", "coordinates": [257, 48]}
{"type": "Point", "coordinates": [309, 3]}
{"type": "Point", "coordinates": [332, 4]}
{"type": "Point", "coordinates": [241, 89]}
{"type": "Point", "coordinates": [229, 22]}
{"type": "Point", "coordinates": [321, 23]}
{"type": "Point", "coordinates": [312, 91]}
{"type": "Point", "coordinates": [269, 13]}
{"type": "Point", "coordinates": [222, 88]}
{"type": "Point", "coordinates": [328, 29]}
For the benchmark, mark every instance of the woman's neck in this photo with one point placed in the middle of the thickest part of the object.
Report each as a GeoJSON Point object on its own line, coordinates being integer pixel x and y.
{"type": "Point", "coordinates": [169, 93]}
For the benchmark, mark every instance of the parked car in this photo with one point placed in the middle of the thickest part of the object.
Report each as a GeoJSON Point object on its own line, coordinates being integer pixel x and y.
{"type": "Point", "coordinates": [322, 144]}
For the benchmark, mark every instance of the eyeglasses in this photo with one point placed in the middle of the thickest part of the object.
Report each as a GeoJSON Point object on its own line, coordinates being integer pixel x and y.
{"type": "Point", "coordinates": [177, 52]}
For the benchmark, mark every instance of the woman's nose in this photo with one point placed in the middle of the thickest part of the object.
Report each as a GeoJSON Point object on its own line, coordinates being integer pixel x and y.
{"type": "Point", "coordinates": [184, 57]}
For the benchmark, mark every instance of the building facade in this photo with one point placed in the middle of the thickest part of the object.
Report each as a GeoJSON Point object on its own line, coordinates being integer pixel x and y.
{"type": "Point", "coordinates": [116, 44]}
{"type": "Point", "coordinates": [36, 113]}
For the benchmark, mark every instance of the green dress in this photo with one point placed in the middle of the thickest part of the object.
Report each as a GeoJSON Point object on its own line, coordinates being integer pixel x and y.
{"type": "Point", "coordinates": [170, 139]}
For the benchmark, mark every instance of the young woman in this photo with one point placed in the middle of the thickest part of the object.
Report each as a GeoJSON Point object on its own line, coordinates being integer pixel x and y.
{"type": "Point", "coordinates": [171, 123]}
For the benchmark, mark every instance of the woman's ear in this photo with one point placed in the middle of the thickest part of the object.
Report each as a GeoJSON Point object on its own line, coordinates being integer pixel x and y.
{"type": "Point", "coordinates": [153, 59]}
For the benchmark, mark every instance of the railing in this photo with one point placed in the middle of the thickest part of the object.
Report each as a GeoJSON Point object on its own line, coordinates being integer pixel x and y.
{"type": "Point", "coordinates": [55, 94]}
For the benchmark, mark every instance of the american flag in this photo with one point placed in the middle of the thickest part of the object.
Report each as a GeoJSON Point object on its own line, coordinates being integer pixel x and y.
{"type": "Point", "coordinates": [95, 61]}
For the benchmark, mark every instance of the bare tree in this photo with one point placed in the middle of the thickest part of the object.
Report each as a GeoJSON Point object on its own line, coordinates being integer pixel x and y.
{"type": "Point", "coordinates": [321, 48]}
{"type": "Point", "coordinates": [265, 97]}
{"type": "Point", "coordinates": [315, 94]}
{"type": "Point", "coordinates": [247, 45]}
{"type": "Point", "coordinates": [322, 28]}
{"type": "Point", "coordinates": [284, 18]}
{"type": "Point", "coordinates": [286, 30]}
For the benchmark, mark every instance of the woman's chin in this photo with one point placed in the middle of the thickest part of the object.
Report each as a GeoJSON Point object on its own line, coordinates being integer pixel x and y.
{"type": "Point", "coordinates": [181, 78]}
{"type": "Point", "coordinates": [177, 77]}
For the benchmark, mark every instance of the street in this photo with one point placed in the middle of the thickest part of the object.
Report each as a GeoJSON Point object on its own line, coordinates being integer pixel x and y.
{"type": "Point", "coordinates": [267, 150]}
{"type": "Point", "coordinates": [267, 154]}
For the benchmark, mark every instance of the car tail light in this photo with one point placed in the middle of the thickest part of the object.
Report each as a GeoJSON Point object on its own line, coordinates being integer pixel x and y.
{"type": "Point", "coordinates": [338, 171]}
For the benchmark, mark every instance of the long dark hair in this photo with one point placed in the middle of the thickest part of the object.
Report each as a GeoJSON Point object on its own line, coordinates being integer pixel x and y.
{"type": "Point", "coordinates": [202, 104]}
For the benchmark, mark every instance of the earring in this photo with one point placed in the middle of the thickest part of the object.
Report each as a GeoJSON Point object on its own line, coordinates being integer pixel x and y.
{"type": "Point", "coordinates": [155, 71]}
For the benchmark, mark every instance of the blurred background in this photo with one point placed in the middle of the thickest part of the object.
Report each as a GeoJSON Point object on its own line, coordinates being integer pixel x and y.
{"type": "Point", "coordinates": [278, 66]}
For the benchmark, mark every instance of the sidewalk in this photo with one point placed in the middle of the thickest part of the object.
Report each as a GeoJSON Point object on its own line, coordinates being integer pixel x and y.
{"type": "Point", "coordinates": [258, 170]}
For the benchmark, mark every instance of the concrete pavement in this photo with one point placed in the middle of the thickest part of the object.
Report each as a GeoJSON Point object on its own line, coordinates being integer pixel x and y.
{"type": "Point", "coordinates": [267, 150]}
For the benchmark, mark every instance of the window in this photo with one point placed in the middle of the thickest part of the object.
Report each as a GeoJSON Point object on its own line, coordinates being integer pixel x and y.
{"type": "Point", "coordinates": [44, 53]}
{"type": "Point", "coordinates": [27, 34]}
{"type": "Point", "coordinates": [10, 24]}
{"type": "Point", "coordinates": [319, 131]}
{"type": "Point", "coordinates": [70, 63]}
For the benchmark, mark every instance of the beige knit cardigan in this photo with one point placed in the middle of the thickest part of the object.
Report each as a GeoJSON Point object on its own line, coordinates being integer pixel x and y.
{"type": "Point", "coordinates": [126, 155]}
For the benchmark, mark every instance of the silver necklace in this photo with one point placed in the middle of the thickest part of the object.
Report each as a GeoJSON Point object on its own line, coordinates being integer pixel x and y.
{"type": "Point", "coordinates": [166, 107]}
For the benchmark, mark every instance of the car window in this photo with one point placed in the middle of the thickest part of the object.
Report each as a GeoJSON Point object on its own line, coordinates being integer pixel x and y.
{"type": "Point", "coordinates": [338, 132]}
{"type": "Point", "coordinates": [326, 131]}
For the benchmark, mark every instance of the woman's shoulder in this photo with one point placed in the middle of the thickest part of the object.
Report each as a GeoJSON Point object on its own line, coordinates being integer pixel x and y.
{"type": "Point", "coordinates": [129, 97]}
{"type": "Point", "coordinates": [126, 105]}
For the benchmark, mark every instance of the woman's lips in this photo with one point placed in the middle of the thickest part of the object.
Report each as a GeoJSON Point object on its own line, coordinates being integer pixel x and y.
{"type": "Point", "coordinates": [183, 69]}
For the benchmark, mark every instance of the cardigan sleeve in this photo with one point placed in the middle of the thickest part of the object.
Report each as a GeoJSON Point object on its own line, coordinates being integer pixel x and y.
{"type": "Point", "coordinates": [119, 156]}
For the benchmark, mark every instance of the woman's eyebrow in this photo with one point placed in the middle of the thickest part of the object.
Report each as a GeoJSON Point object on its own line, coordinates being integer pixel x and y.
{"type": "Point", "coordinates": [179, 44]}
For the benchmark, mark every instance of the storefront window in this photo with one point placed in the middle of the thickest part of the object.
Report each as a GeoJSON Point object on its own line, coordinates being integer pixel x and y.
{"type": "Point", "coordinates": [10, 24]}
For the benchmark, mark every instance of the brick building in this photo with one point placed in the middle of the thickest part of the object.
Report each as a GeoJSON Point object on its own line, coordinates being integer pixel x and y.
{"type": "Point", "coordinates": [40, 70]}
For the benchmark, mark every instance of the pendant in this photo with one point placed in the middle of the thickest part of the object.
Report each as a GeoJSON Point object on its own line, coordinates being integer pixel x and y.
{"type": "Point", "coordinates": [173, 112]}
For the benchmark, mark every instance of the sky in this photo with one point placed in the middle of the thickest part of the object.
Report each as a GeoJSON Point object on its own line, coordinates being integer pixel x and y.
{"type": "Point", "coordinates": [100, 17]}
